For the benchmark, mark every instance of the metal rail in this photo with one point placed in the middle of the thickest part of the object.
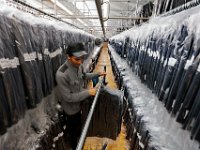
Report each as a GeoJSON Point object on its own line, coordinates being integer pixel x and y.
{"type": "Point", "coordinates": [87, 123]}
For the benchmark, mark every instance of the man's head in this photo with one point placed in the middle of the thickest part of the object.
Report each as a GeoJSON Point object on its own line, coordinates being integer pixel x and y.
{"type": "Point", "coordinates": [75, 53]}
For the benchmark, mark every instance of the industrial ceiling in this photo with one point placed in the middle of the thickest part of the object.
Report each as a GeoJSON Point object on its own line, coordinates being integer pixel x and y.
{"type": "Point", "coordinates": [84, 14]}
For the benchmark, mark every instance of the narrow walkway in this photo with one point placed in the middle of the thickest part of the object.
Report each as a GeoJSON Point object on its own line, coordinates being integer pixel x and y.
{"type": "Point", "coordinates": [94, 143]}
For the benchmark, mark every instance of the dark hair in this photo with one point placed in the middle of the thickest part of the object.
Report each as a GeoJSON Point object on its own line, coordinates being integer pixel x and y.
{"type": "Point", "coordinates": [74, 47]}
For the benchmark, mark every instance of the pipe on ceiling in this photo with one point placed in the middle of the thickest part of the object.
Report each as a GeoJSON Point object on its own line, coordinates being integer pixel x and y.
{"type": "Point", "coordinates": [98, 5]}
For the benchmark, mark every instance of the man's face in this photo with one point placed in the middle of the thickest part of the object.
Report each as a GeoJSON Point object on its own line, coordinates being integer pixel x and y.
{"type": "Point", "coordinates": [77, 61]}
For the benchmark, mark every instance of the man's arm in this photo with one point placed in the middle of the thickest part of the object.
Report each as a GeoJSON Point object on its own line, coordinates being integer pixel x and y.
{"type": "Point", "coordinates": [91, 75]}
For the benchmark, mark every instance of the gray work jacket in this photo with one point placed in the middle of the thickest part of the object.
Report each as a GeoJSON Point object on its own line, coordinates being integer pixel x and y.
{"type": "Point", "coordinates": [71, 91]}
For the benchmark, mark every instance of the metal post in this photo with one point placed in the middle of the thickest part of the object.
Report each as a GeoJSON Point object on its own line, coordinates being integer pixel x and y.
{"type": "Point", "coordinates": [87, 123]}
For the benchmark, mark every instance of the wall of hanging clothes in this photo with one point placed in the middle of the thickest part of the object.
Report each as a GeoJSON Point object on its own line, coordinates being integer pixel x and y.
{"type": "Point", "coordinates": [167, 5]}
{"type": "Point", "coordinates": [30, 54]}
{"type": "Point", "coordinates": [165, 55]}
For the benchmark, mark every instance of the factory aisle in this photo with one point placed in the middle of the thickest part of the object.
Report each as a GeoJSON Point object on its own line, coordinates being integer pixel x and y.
{"type": "Point", "coordinates": [94, 143]}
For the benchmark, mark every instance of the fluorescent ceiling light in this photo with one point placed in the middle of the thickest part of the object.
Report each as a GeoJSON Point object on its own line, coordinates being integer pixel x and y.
{"type": "Point", "coordinates": [67, 10]}
{"type": "Point", "coordinates": [81, 21]}
{"type": "Point", "coordinates": [62, 6]}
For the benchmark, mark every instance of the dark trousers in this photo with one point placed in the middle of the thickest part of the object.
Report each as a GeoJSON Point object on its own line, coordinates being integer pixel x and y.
{"type": "Point", "coordinates": [73, 129]}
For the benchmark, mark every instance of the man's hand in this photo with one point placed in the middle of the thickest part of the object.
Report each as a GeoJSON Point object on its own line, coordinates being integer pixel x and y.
{"type": "Point", "coordinates": [92, 91]}
{"type": "Point", "coordinates": [102, 73]}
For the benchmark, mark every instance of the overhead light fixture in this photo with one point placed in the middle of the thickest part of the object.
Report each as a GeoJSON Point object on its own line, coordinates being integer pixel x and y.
{"type": "Point", "coordinates": [56, 2]}
{"type": "Point", "coordinates": [81, 21]}
{"type": "Point", "coordinates": [62, 6]}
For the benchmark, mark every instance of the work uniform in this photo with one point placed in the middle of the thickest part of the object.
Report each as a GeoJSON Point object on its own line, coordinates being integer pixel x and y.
{"type": "Point", "coordinates": [70, 93]}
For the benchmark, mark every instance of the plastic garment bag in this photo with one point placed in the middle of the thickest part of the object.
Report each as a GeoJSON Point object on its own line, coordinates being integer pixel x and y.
{"type": "Point", "coordinates": [4, 108]}
{"type": "Point", "coordinates": [189, 112]}
{"type": "Point", "coordinates": [192, 118]}
{"type": "Point", "coordinates": [186, 81]}
{"type": "Point", "coordinates": [150, 61]}
{"type": "Point", "coordinates": [54, 139]}
{"type": "Point", "coordinates": [38, 44]}
{"type": "Point", "coordinates": [28, 29]}
{"type": "Point", "coordinates": [137, 133]}
{"type": "Point", "coordinates": [17, 75]}
{"type": "Point", "coordinates": [11, 75]}
{"type": "Point", "coordinates": [125, 47]}
{"type": "Point", "coordinates": [165, 48]}
{"type": "Point", "coordinates": [134, 61]}
{"type": "Point", "coordinates": [189, 99]}
{"type": "Point", "coordinates": [142, 55]}
{"type": "Point", "coordinates": [46, 58]}
{"type": "Point", "coordinates": [187, 51]}
{"type": "Point", "coordinates": [23, 49]}
{"type": "Point", "coordinates": [194, 80]}
{"type": "Point", "coordinates": [55, 46]}
{"type": "Point", "coordinates": [130, 53]}
{"type": "Point", "coordinates": [155, 64]}
{"type": "Point", "coordinates": [173, 63]}
{"type": "Point", "coordinates": [195, 133]}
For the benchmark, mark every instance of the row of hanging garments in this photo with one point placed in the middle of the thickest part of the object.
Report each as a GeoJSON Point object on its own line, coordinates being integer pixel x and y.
{"type": "Point", "coordinates": [167, 5]}
{"type": "Point", "coordinates": [30, 55]}
{"type": "Point", "coordinates": [165, 54]}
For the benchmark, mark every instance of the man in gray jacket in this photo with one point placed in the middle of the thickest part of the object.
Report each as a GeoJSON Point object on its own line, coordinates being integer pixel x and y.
{"type": "Point", "coordinates": [70, 78]}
